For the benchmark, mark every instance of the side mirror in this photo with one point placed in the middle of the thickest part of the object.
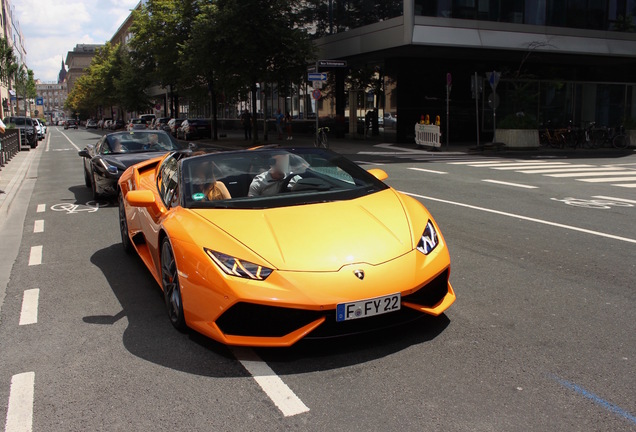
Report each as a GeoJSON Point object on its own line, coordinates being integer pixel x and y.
{"type": "Point", "coordinates": [193, 146]}
{"type": "Point", "coordinates": [378, 173]}
{"type": "Point", "coordinates": [84, 153]}
{"type": "Point", "coordinates": [140, 198]}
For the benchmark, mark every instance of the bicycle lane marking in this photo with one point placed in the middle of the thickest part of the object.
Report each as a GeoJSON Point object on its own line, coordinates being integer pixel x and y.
{"type": "Point", "coordinates": [526, 218]}
{"type": "Point", "coordinates": [20, 407]}
{"type": "Point", "coordinates": [69, 140]}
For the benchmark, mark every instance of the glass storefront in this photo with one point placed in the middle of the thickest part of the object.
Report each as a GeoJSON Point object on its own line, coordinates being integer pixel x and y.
{"type": "Point", "coordinates": [615, 15]}
{"type": "Point", "coordinates": [325, 17]}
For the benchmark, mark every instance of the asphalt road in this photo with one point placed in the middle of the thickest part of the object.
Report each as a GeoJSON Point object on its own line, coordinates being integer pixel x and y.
{"type": "Point", "coordinates": [542, 336]}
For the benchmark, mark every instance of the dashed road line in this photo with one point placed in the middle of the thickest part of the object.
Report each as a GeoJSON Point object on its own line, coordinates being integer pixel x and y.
{"type": "Point", "coordinates": [35, 257]}
{"type": "Point", "coordinates": [41, 208]}
{"type": "Point", "coordinates": [29, 312]}
{"type": "Point", "coordinates": [428, 171]}
{"type": "Point", "coordinates": [38, 226]}
{"type": "Point", "coordinates": [282, 396]}
{"type": "Point", "coordinates": [20, 408]}
{"type": "Point", "coordinates": [510, 184]}
{"type": "Point", "coordinates": [69, 140]}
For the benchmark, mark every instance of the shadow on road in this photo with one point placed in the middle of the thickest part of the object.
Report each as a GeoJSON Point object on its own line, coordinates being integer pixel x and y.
{"type": "Point", "coordinates": [150, 335]}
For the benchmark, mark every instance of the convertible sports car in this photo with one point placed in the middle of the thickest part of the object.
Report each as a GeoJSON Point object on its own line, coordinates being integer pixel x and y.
{"type": "Point", "coordinates": [266, 247]}
{"type": "Point", "coordinates": [105, 161]}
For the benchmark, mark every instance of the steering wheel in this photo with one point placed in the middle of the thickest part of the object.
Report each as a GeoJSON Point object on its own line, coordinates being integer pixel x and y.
{"type": "Point", "coordinates": [284, 185]}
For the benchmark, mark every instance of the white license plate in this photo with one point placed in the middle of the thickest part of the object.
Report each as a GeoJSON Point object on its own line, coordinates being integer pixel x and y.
{"type": "Point", "coordinates": [367, 308]}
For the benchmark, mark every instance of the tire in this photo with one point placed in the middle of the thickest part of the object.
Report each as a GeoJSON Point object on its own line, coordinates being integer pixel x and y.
{"type": "Point", "coordinates": [123, 227]}
{"type": "Point", "coordinates": [620, 141]}
{"type": "Point", "coordinates": [171, 287]}
{"type": "Point", "coordinates": [87, 179]}
{"type": "Point", "coordinates": [96, 195]}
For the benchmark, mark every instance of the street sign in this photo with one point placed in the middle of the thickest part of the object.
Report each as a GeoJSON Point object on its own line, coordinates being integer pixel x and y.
{"type": "Point", "coordinates": [316, 94]}
{"type": "Point", "coordinates": [317, 76]}
{"type": "Point", "coordinates": [493, 79]}
{"type": "Point", "coordinates": [39, 101]}
{"type": "Point", "coordinates": [317, 84]}
{"type": "Point", "coordinates": [449, 79]}
{"type": "Point", "coordinates": [332, 63]}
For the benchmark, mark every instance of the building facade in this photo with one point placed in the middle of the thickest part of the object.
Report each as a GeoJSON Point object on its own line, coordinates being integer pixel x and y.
{"type": "Point", "coordinates": [558, 61]}
{"type": "Point", "coordinates": [51, 97]}
{"type": "Point", "coordinates": [78, 61]}
{"type": "Point", "coordinates": [10, 30]}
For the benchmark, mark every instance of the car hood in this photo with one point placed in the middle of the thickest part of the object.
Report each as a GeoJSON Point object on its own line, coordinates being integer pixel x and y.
{"type": "Point", "coordinates": [321, 237]}
{"type": "Point", "coordinates": [126, 160]}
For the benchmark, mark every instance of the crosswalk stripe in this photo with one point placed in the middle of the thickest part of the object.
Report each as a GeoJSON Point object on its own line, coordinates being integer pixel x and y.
{"type": "Point", "coordinates": [517, 164]}
{"type": "Point", "coordinates": [608, 179]}
{"type": "Point", "coordinates": [628, 185]}
{"type": "Point", "coordinates": [592, 174]}
{"type": "Point", "coordinates": [556, 170]}
{"type": "Point", "coordinates": [518, 167]}
{"type": "Point", "coordinates": [614, 199]}
{"type": "Point", "coordinates": [475, 161]}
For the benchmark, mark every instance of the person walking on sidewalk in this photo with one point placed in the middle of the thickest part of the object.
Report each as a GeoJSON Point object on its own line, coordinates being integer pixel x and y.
{"type": "Point", "coordinates": [288, 126]}
{"type": "Point", "coordinates": [279, 124]}
{"type": "Point", "coordinates": [247, 124]}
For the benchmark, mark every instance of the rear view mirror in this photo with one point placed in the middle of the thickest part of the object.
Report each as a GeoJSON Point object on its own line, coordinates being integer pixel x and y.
{"type": "Point", "coordinates": [378, 173]}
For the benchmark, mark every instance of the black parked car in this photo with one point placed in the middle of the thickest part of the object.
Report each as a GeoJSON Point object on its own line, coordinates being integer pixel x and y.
{"type": "Point", "coordinates": [194, 128]}
{"type": "Point", "coordinates": [105, 161]}
{"type": "Point", "coordinates": [71, 124]}
{"type": "Point", "coordinates": [28, 131]}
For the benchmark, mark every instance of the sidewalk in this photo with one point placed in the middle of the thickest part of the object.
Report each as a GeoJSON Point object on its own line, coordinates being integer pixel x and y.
{"type": "Point", "coordinates": [12, 176]}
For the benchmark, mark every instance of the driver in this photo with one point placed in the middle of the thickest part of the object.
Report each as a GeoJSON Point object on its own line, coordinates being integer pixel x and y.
{"type": "Point", "coordinates": [117, 147]}
{"type": "Point", "coordinates": [153, 140]}
{"type": "Point", "coordinates": [271, 181]}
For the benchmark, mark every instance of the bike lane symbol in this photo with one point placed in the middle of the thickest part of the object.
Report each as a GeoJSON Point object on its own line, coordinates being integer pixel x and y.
{"type": "Point", "coordinates": [70, 208]}
{"type": "Point", "coordinates": [595, 204]}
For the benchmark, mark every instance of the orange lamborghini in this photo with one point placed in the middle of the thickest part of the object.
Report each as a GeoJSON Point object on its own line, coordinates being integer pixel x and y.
{"type": "Point", "coordinates": [266, 247]}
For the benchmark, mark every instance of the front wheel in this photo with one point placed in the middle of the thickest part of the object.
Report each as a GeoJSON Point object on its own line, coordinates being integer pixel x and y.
{"type": "Point", "coordinates": [123, 226]}
{"type": "Point", "coordinates": [171, 286]}
{"type": "Point", "coordinates": [620, 141]}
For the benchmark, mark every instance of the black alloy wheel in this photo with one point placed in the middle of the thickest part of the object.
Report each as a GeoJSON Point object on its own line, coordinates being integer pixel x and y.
{"type": "Point", "coordinates": [171, 287]}
{"type": "Point", "coordinates": [123, 226]}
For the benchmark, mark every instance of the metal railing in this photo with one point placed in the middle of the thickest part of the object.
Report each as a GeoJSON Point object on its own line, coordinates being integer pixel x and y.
{"type": "Point", "coordinates": [9, 146]}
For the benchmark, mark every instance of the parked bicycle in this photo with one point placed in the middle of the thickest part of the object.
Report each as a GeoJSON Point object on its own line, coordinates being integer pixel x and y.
{"type": "Point", "coordinates": [321, 138]}
{"type": "Point", "coordinates": [603, 136]}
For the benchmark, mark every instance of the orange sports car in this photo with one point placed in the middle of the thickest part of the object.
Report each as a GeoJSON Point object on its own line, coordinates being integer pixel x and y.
{"type": "Point", "coordinates": [266, 247]}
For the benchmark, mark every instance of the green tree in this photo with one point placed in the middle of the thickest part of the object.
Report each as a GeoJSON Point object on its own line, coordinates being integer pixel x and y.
{"type": "Point", "coordinates": [129, 82]}
{"type": "Point", "coordinates": [25, 86]}
{"type": "Point", "coordinates": [159, 29]}
{"type": "Point", "coordinates": [260, 41]}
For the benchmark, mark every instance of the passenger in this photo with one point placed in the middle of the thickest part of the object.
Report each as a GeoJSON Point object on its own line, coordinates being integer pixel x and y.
{"type": "Point", "coordinates": [271, 181]}
{"type": "Point", "coordinates": [117, 147]}
{"type": "Point", "coordinates": [210, 191]}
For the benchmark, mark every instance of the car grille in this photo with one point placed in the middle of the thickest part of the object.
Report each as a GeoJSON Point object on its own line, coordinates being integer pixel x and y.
{"type": "Point", "coordinates": [431, 293]}
{"type": "Point", "coordinates": [248, 319]}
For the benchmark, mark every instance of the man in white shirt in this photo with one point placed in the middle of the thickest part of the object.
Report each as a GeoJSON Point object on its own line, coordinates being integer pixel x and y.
{"type": "Point", "coordinates": [270, 182]}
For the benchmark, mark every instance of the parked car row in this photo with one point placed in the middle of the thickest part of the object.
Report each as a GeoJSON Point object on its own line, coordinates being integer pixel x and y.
{"type": "Point", "coordinates": [29, 131]}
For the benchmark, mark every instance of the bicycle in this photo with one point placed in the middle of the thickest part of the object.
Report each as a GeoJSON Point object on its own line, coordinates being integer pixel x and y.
{"type": "Point", "coordinates": [321, 138]}
{"type": "Point", "coordinates": [601, 136]}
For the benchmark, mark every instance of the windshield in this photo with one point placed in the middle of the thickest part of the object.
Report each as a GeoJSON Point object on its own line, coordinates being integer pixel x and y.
{"type": "Point", "coordinates": [138, 121]}
{"type": "Point", "coordinates": [273, 178]}
{"type": "Point", "coordinates": [136, 141]}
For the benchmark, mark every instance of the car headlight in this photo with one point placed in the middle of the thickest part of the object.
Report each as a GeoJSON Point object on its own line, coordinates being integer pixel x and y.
{"type": "Point", "coordinates": [110, 168]}
{"type": "Point", "coordinates": [429, 239]}
{"type": "Point", "coordinates": [237, 267]}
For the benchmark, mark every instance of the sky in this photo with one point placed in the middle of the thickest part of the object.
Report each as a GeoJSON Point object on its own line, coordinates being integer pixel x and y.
{"type": "Point", "coordinates": [51, 28]}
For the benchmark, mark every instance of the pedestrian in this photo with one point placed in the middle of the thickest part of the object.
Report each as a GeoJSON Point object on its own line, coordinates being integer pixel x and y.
{"type": "Point", "coordinates": [246, 118]}
{"type": "Point", "coordinates": [288, 126]}
{"type": "Point", "coordinates": [279, 124]}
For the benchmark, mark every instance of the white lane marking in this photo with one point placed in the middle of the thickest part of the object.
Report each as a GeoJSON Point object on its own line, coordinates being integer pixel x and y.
{"type": "Point", "coordinates": [569, 168]}
{"type": "Point", "coordinates": [41, 208]}
{"type": "Point", "coordinates": [511, 184]}
{"type": "Point", "coordinates": [69, 140]}
{"type": "Point", "coordinates": [48, 141]}
{"type": "Point", "coordinates": [368, 163]}
{"type": "Point", "coordinates": [614, 199]}
{"type": "Point", "coordinates": [594, 173]}
{"type": "Point", "coordinates": [518, 164]}
{"type": "Point", "coordinates": [520, 167]}
{"type": "Point", "coordinates": [627, 185]}
{"type": "Point", "coordinates": [29, 313]}
{"type": "Point", "coordinates": [477, 162]}
{"type": "Point", "coordinates": [20, 409]}
{"type": "Point", "coordinates": [38, 226]}
{"type": "Point", "coordinates": [526, 218]}
{"type": "Point", "coordinates": [282, 396]}
{"type": "Point", "coordinates": [428, 171]}
{"type": "Point", "coordinates": [35, 258]}
{"type": "Point", "coordinates": [608, 180]}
